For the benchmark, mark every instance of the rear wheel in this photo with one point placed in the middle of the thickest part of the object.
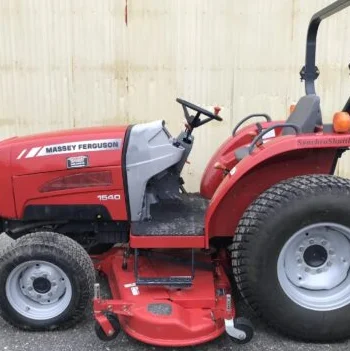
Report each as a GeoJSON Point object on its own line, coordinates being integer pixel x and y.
{"type": "Point", "coordinates": [46, 282]}
{"type": "Point", "coordinates": [291, 257]}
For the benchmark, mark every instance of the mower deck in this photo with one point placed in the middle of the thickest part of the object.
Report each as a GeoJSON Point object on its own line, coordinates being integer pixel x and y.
{"type": "Point", "coordinates": [162, 315]}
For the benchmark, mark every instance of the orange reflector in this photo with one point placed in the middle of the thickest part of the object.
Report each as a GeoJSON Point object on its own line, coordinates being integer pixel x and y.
{"type": "Point", "coordinates": [341, 122]}
{"type": "Point", "coordinates": [291, 108]}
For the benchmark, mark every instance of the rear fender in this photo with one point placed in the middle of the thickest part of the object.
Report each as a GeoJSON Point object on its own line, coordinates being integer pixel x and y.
{"type": "Point", "coordinates": [225, 155]}
{"type": "Point", "coordinates": [278, 159]}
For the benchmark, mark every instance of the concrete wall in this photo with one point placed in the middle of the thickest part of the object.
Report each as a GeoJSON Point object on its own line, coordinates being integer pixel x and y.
{"type": "Point", "coordinates": [75, 63]}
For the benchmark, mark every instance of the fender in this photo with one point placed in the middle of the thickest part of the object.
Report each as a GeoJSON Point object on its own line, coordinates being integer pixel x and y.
{"type": "Point", "coordinates": [278, 159]}
{"type": "Point", "coordinates": [225, 155]}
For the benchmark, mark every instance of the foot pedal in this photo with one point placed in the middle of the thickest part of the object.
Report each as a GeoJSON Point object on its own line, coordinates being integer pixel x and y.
{"type": "Point", "coordinates": [174, 281]}
{"type": "Point", "coordinates": [183, 282]}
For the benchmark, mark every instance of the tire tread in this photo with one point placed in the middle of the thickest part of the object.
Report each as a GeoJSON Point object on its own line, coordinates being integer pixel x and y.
{"type": "Point", "coordinates": [269, 204]}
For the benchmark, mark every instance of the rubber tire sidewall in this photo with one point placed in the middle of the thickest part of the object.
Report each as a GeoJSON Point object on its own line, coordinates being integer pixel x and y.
{"type": "Point", "coordinates": [59, 258]}
{"type": "Point", "coordinates": [274, 304]}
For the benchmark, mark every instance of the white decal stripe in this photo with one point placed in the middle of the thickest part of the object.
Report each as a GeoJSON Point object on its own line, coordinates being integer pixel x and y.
{"type": "Point", "coordinates": [33, 152]}
{"type": "Point", "coordinates": [21, 154]}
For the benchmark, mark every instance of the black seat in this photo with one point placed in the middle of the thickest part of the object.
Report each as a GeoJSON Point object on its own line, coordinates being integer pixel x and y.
{"type": "Point", "coordinates": [306, 115]}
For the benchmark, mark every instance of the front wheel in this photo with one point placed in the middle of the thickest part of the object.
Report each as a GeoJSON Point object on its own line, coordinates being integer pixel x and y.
{"type": "Point", "coordinates": [291, 257]}
{"type": "Point", "coordinates": [46, 282]}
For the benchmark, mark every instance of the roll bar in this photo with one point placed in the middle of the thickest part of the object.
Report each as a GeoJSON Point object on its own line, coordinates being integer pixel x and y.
{"type": "Point", "coordinates": [310, 72]}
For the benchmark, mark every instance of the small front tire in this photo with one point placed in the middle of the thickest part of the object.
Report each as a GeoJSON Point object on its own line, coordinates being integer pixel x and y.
{"type": "Point", "coordinates": [46, 282]}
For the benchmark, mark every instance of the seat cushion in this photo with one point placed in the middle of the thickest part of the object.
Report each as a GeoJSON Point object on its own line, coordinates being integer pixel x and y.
{"type": "Point", "coordinates": [306, 115]}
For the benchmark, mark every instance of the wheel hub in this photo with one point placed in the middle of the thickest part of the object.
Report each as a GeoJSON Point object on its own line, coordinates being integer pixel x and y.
{"type": "Point", "coordinates": [38, 290]}
{"type": "Point", "coordinates": [315, 255]}
{"type": "Point", "coordinates": [42, 285]}
{"type": "Point", "coordinates": [313, 266]}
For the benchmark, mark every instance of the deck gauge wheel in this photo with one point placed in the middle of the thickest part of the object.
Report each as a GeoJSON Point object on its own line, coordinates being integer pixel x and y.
{"type": "Point", "coordinates": [113, 319]}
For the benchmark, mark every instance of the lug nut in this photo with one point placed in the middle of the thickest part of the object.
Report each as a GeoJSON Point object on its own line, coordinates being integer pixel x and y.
{"type": "Point", "coordinates": [324, 242]}
{"type": "Point", "coordinates": [311, 241]}
{"type": "Point", "coordinates": [32, 278]}
{"type": "Point", "coordinates": [331, 252]}
{"type": "Point", "coordinates": [38, 296]}
{"type": "Point", "coordinates": [319, 270]}
{"type": "Point", "coordinates": [49, 294]}
{"type": "Point", "coordinates": [299, 260]}
{"type": "Point", "coordinates": [301, 249]}
{"type": "Point", "coordinates": [53, 284]}
{"type": "Point", "coordinates": [307, 269]}
{"type": "Point", "coordinates": [329, 263]}
{"type": "Point", "coordinates": [30, 288]}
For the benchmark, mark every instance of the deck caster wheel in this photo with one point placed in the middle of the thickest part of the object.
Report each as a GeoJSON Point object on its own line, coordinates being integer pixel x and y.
{"type": "Point", "coordinates": [242, 331]}
{"type": "Point", "coordinates": [113, 319]}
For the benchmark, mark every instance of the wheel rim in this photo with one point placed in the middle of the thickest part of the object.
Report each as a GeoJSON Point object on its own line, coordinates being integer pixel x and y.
{"type": "Point", "coordinates": [38, 290]}
{"type": "Point", "coordinates": [313, 267]}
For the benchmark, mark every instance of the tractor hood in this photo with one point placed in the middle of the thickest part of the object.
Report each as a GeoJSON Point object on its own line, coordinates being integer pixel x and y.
{"type": "Point", "coordinates": [77, 148]}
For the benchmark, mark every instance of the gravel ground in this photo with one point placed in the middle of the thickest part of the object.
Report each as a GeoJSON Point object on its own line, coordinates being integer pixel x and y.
{"type": "Point", "coordinates": [83, 338]}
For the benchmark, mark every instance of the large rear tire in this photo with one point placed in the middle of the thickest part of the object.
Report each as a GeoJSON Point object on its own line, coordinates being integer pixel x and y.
{"type": "Point", "coordinates": [291, 257]}
{"type": "Point", "coordinates": [46, 282]}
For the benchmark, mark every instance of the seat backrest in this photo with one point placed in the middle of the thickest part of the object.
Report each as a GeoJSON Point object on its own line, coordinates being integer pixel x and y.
{"type": "Point", "coordinates": [306, 115]}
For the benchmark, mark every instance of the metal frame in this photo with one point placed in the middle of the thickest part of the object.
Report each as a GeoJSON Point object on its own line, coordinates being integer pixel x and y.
{"type": "Point", "coordinates": [310, 72]}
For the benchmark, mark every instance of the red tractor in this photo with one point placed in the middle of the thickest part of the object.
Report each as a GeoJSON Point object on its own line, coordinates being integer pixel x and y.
{"type": "Point", "coordinates": [113, 199]}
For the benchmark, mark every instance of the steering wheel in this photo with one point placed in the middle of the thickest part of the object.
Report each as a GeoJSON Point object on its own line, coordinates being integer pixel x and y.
{"type": "Point", "coordinates": [195, 121]}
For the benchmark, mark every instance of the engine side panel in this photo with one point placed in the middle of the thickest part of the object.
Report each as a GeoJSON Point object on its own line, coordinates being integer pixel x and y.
{"type": "Point", "coordinates": [80, 166]}
{"type": "Point", "coordinates": [50, 152]}
{"type": "Point", "coordinates": [40, 189]}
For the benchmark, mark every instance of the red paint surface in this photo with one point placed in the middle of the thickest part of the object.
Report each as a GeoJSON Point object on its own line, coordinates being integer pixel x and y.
{"type": "Point", "coordinates": [192, 309]}
{"type": "Point", "coordinates": [7, 201]}
{"type": "Point", "coordinates": [21, 179]}
{"type": "Point", "coordinates": [278, 159]}
{"type": "Point", "coordinates": [177, 242]}
{"type": "Point", "coordinates": [225, 155]}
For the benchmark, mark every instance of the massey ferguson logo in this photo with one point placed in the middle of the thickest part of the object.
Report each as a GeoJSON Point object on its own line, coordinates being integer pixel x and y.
{"type": "Point", "coordinates": [69, 148]}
